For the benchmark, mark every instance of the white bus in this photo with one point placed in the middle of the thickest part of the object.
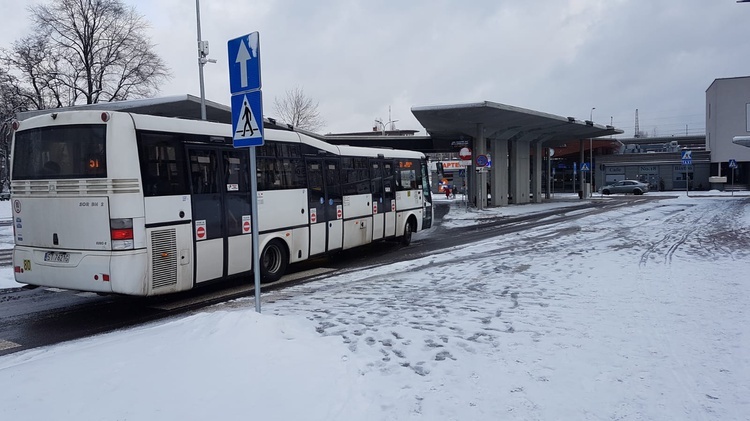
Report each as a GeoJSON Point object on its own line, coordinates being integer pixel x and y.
{"type": "Point", "coordinates": [114, 202]}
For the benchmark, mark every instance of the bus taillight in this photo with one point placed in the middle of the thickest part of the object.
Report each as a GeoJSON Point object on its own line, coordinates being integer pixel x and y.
{"type": "Point", "coordinates": [121, 231]}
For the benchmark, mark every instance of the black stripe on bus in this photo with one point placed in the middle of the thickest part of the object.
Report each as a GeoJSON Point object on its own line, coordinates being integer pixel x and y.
{"type": "Point", "coordinates": [169, 224]}
{"type": "Point", "coordinates": [283, 229]}
{"type": "Point", "coordinates": [409, 209]}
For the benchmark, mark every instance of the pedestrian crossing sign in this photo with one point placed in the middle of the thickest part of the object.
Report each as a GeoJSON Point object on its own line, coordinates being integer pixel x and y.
{"type": "Point", "coordinates": [247, 119]}
{"type": "Point", "coordinates": [585, 167]}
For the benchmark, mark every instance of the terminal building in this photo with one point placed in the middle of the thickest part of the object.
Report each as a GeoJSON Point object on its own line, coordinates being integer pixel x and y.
{"type": "Point", "coordinates": [517, 155]}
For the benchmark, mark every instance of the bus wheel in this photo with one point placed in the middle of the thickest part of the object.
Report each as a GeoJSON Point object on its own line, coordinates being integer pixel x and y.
{"type": "Point", "coordinates": [273, 261]}
{"type": "Point", "coordinates": [408, 229]}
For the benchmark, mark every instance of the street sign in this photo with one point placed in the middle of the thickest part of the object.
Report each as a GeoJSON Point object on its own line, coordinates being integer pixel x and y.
{"type": "Point", "coordinates": [732, 163]}
{"type": "Point", "coordinates": [574, 168]}
{"type": "Point", "coordinates": [247, 124]}
{"type": "Point", "coordinates": [247, 119]}
{"type": "Point", "coordinates": [465, 154]}
{"type": "Point", "coordinates": [687, 157]}
{"type": "Point", "coordinates": [585, 167]}
{"type": "Point", "coordinates": [462, 173]}
{"type": "Point", "coordinates": [244, 63]}
{"type": "Point", "coordinates": [482, 160]}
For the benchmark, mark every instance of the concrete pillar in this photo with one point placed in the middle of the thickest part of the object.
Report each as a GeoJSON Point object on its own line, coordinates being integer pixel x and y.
{"type": "Point", "coordinates": [536, 182]}
{"type": "Point", "coordinates": [520, 171]}
{"type": "Point", "coordinates": [550, 179]}
{"type": "Point", "coordinates": [581, 174]}
{"type": "Point", "coordinates": [499, 183]}
{"type": "Point", "coordinates": [479, 194]}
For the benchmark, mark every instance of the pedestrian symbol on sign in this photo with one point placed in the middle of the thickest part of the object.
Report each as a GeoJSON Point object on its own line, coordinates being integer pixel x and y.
{"type": "Point", "coordinates": [247, 118]}
{"type": "Point", "coordinates": [248, 121]}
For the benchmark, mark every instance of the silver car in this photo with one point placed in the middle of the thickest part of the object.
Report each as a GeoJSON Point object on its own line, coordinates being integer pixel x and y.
{"type": "Point", "coordinates": [625, 186]}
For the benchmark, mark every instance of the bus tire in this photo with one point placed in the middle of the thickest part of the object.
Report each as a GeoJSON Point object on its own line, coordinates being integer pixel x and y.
{"type": "Point", "coordinates": [408, 230]}
{"type": "Point", "coordinates": [273, 261]}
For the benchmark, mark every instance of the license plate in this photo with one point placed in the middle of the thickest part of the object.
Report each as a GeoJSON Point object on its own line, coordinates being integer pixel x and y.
{"type": "Point", "coordinates": [57, 257]}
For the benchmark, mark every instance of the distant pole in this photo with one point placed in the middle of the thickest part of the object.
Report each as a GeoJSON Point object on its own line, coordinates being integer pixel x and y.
{"type": "Point", "coordinates": [591, 164]}
{"type": "Point", "coordinates": [201, 59]}
{"type": "Point", "coordinates": [591, 156]}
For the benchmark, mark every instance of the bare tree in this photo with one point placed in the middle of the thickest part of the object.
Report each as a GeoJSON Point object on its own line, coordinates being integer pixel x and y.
{"type": "Point", "coordinates": [95, 50]}
{"type": "Point", "coordinates": [299, 110]}
{"type": "Point", "coordinates": [11, 102]}
{"type": "Point", "coordinates": [32, 56]}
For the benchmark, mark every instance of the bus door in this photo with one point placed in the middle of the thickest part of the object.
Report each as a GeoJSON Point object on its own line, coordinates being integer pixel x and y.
{"type": "Point", "coordinates": [389, 197]}
{"type": "Point", "coordinates": [426, 196]}
{"type": "Point", "coordinates": [235, 187]}
{"type": "Point", "coordinates": [208, 212]}
{"type": "Point", "coordinates": [325, 204]}
{"type": "Point", "coordinates": [378, 199]}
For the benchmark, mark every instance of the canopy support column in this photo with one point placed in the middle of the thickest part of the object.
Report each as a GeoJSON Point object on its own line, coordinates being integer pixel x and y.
{"type": "Point", "coordinates": [520, 171]}
{"type": "Point", "coordinates": [499, 184]}
{"type": "Point", "coordinates": [536, 181]}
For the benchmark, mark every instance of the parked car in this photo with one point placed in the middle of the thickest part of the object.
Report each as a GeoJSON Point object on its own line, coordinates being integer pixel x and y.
{"type": "Point", "coordinates": [625, 186]}
{"type": "Point", "coordinates": [5, 195]}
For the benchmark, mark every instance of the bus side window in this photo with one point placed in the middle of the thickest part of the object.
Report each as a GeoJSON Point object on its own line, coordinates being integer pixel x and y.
{"type": "Point", "coordinates": [162, 162]}
{"type": "Point", "coordinates": [280, 166]}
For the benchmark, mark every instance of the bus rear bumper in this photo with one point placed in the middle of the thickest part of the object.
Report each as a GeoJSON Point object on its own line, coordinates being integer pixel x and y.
{"type": "Point", "coordinates": [82, 271]}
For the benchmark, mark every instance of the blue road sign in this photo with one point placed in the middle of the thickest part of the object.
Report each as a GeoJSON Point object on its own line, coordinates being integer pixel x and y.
{"type": "Point", "coordinates": [732, 163]}
{"type": "Point", "coordinates": [462, 173]}
{"type": "Point", "coordinates": [482, 160]}
{"type": "Point", "coordinates": [247, 119]}
{"type": "Point", "coordinates": [687, 157]}
{"type": "Point", "coordinates": [585, 167]}
{"type": "Point", "coordinates": [244, 63]}
{"type": "Point", "coordinates": [575, 168]}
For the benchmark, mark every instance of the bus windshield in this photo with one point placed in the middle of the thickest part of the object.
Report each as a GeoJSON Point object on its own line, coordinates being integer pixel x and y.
{"type": "Point", "coordinates": [75, 151]}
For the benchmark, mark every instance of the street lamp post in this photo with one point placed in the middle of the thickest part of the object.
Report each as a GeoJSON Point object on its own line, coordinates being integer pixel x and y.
{"type": "Point", "coordinates": [202, 60]}
{"type": "Point", "coordinates": [591, 155]}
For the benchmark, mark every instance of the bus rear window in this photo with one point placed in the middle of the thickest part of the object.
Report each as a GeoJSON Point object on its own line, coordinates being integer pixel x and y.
{"type": "Point", "coordinates": [76, 151]}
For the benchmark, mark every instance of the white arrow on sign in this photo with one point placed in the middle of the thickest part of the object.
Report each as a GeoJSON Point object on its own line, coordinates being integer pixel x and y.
{"type": "Point", "coordinates": [243, 55]}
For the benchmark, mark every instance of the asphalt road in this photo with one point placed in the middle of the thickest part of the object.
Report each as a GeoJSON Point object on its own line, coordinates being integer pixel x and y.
{"type": "Point", "coordinates": [31, 318]}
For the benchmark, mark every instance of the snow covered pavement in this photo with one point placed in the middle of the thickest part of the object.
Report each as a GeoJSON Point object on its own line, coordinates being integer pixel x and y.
{"type": "Point", "coordinates": [637, 314]}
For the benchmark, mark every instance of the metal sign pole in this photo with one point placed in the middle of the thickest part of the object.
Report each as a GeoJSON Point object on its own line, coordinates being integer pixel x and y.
{"type": "Point", "coordinates": [254, 222]}
{"type": "Point", "coordinates": [247, 124]}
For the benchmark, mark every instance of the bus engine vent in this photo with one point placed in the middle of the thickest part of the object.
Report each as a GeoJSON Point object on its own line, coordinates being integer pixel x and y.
{"type": "Point", "coordinates": [163, 258]}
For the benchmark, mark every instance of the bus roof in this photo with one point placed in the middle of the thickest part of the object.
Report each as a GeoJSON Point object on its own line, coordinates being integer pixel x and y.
{"type": "Point", "coordinates": [181, 125]}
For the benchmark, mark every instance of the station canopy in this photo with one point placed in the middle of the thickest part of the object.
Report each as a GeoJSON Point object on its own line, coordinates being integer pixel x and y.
{"type": "Point", "coordinates": [500, 121]}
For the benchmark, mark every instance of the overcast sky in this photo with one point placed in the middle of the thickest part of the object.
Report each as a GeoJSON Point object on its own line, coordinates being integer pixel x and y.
{"type": "Point", "coordinates": [358, 58]}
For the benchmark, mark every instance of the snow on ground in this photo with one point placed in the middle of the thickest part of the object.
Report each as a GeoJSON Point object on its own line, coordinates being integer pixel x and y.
{"type": "Point", "coordinates": [636, 314]}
